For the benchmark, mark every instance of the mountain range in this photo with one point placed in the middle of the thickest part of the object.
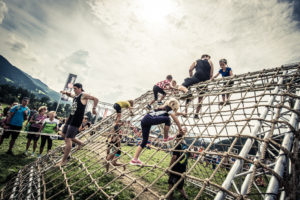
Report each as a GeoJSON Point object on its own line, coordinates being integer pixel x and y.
{"type": "Point", "coordinates": [10, 74]}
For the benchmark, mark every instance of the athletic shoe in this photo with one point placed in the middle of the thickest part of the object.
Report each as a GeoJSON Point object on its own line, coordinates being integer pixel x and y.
{"type": "Point", "coordinates": [186, 95]}
{"type": "Point", "coordinates": [149, 107]}
{"type": "Point", "coordinates": [159, 103]}
{"type": "Point", "coordinates": [26, 153]}
{"type": "Point", "coordinates": [168, 139]}
{"type": "Point", "coordinates": [33, 155]}
{"type": "Point", "coordinates": [136, 162]}
{"type": "Point", "coordinates": [196, 117]}
{"type": "Point", "coordinates": [39, 156]}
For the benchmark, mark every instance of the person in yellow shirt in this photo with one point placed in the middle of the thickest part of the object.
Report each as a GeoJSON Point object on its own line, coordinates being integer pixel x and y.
{"type": "Point", "coordinates": [123, 104]}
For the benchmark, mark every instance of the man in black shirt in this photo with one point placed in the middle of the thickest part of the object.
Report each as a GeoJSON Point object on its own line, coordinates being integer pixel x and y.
{"type": "Point", "coordinates": [179, 167]}
{"type": "Point", "coordinates": [204, 71]}
{"type": "Point", "coordinates": [75, 119]}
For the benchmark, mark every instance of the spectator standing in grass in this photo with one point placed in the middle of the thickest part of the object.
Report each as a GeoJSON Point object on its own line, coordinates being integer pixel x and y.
{"type": "Point", "coordinates": [36, 123]}
{"type": "Point", "coordinates": [50, 126]}
{"type": "Point", "coordinates": [16, 117]}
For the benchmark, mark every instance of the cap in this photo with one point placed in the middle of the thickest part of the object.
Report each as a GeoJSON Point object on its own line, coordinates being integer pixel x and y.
{"type": "Point", "coordinates": [78, 85]}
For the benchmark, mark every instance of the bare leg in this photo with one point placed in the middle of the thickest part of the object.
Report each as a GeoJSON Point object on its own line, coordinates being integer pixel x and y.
{"type": "Point", "coordinates": [67, 150]}
{"type": "Point", "coordinates": [114, 162]}
{"type": "Point", "coordinates": [171, 195]}
{"type": "Point", "coordinates": [163, 96]}
{"type": "Point", "coordinates": [138, 152]}
{"type": "Point", "coordinates": [28, 144]}
{"type": "Point", "coordinates": [108, 158]}
{"type": "Point", "coordinates": [166, 131]}
{"type": "Point", "coordinates": [183, 193]}
{"type": "Point", "coordinates": [199, 105]}
{"type": "Point", "coordinates": [187, 102]}
{"type": "Point", "coordinates": [228, 97]}
{"type": "Point", "coordinates": [118, 118]}
{"type": "Point", "coordinates": [152, 102]}
{"type": "Point", "coordinates": [11, 144]}
{"type": "Point", "coordinates": [34, 145]}
{"type": "Point", "coordinates": [183, 89]}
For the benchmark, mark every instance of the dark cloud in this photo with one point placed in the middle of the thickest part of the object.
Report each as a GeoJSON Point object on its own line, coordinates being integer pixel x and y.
{"type": "Point", "coordinates": [296, 9]}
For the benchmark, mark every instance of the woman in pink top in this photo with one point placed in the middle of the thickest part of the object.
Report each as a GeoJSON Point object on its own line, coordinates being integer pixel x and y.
{"type": "Point", "coordinates": [36, 122]}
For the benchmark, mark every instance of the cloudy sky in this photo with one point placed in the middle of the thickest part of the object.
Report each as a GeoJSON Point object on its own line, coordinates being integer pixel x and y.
{"type": "Point", "coordinates": [120, 48]}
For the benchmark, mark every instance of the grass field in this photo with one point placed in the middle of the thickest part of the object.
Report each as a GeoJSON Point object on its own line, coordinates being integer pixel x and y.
{"type": "Point", "coordinates": [10, 165]}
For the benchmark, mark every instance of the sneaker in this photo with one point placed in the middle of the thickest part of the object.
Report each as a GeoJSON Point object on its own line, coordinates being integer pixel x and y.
{"type": "Point", "coordinates": [136, 162]}
{"type": "Point", "coordinates": [159, 103]}
{"type": "Point", "coordinates": [149, 107]}
{"type": "Point", "coordinates": [186, 95]}
{"type": "Point", "coordinates": [9, 152]}
{"type": "Point", "coordinates": [33, 155]}
{"type": "Point", "coordinates": [39, 156]}
{"type": "Point", "coordinates": [25, 153]}
{"type": "Point", "coordinates": [196, 117]}
{"type": "Point", "coordinates": [168, 139]}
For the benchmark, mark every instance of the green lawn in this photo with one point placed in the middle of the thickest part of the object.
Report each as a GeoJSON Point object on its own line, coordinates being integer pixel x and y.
{"type": "Point", "coordinates": [10, 165]}
{"type": "Point", "coordinates": [151, 174]}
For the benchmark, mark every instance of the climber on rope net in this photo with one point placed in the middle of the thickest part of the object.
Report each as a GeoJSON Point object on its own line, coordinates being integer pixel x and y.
{"type": "Point", "coordinates": [178, 166]}
{"type": "Point", "coordinates": [114, 149]}
{"type": "Point", "coordinates": [159, 88]}
{"type": "Point", "coordinates": [158, 116]}
{"type": "Point", "coordinates": [122, 104]}
{"type": "Point", "coordinates": [75, 119]}
{"type": "Point", "coordinates": [225, 71]}
{"type": "Point", "coordinates": [204, 71]}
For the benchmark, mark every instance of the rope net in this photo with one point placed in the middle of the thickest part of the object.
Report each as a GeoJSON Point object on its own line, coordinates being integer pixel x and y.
{"type": "Point", "coordinates": [244, 149]}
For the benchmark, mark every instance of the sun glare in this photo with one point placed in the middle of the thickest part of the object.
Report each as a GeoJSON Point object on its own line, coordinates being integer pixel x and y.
{"type": "Point", "coordinates": [155, 11]}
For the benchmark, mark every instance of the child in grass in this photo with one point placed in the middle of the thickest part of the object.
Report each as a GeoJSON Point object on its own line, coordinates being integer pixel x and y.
{"type": "Point", "coordinates": [179, 166]}
{"type": "Point", "coordinates": [114, 149]}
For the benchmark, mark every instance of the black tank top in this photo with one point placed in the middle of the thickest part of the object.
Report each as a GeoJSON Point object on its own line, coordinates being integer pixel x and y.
{"type": "Point", "coordinates": [202, 70]}
{"type": "Point", "coordinates": [77, 112]}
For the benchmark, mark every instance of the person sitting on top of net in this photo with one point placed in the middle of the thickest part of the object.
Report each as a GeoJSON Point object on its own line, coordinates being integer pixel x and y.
{"type": "Point", "coordinates": [123, 104]}
{"type": "Point", "coordinates": [159, 88]}
{"type": "Point", "coordinates": [204, 71]}
{"type": "Point", "coordinates": [225, 71]}
{"type": "Point", "coordinates": [179, 165]}
{"type": "Point", "coordinates": [114, 149]}
{"type": "Point", "coordinates": [158, 116]}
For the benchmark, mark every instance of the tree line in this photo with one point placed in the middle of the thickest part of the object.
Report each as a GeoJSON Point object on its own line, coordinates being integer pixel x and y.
{"type": "Point", "coordinates": [11, 94]}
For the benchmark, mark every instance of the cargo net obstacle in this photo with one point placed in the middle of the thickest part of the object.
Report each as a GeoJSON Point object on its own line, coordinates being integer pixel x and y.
{"type": "Point", "coordinates": [245, 149]}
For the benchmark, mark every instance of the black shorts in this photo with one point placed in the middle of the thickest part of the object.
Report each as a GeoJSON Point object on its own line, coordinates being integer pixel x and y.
{"type": "Point", "coordinates": [117, 107]}
{"type": "Point", "coordinates": [173, 179]}
{"type": "Point", "coordinates": [15, 132]}
{"type": "Point", "coordinates": [33, 136]}
{"type": "Point", "coordinates": [157, 90]}
{"type": "Point", "coordinates": [70, 131]}
{"type": "Point", "coordinates": [190, 81]}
